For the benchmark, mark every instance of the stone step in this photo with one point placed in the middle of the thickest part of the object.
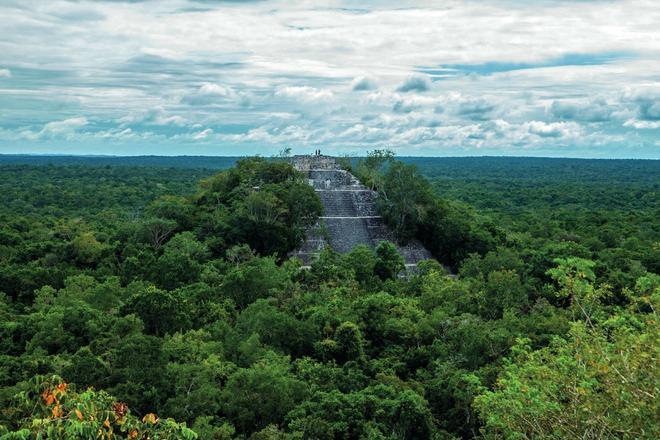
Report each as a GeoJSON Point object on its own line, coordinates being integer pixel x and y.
{"type": "Point", "coordinates": [332, 179]}
{"type": "Point", "coordinates": [347, 203]}
{"type": "Point", "coordinates": [347, 232]}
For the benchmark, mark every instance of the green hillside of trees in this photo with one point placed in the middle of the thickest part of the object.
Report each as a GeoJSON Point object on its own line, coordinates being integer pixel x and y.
{"type": "Point", "coordinates": [158, 302]}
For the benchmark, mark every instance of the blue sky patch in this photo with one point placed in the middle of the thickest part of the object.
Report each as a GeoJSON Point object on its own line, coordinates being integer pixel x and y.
{"type": "Point", "coordinates": [492, 67]}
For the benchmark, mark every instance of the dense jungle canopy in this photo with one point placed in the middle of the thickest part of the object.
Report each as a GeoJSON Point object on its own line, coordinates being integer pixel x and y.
{"type": "Point", "coordinates": [156, 300]}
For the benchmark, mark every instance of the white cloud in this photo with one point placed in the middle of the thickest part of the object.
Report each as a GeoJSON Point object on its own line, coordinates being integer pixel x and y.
{"type": "Point", "coordinates": [215, 90]}
{"type": "Point", "coordinates": [415, 83]}
{"type": "Point", "coordinates": [65, 127]}
{"type": "Point", "coordinates": [408, 103]}
{"type": "Point", "coordinates": [595, 110]}
{"type": "Point", "coordinates": [304, 93]}
{"type": "Point", "coordinates": [153, 116]}
{"type": "Point", "coordinates": [553, 129]}
{"type": "Point", "coordinates": [272, 135]}
{"type": "Point", "coordinates": [204, 134]}
{"type": "Point", "coordinates": [475, 108]}
{"type": "Point", "coordinates": [363, 83]}
{"type": "Point", "coordinates": [641, 125]}
{"type": "Point", "coordinates": [211, 93]}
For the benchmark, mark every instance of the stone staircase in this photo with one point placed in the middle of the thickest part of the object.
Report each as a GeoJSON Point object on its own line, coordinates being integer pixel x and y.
{"type": "Point", "coordinates": [350, 217]}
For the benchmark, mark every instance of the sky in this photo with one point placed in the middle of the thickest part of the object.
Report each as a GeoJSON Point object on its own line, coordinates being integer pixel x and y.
{"type": "Point", "coordinates": [555, 78]}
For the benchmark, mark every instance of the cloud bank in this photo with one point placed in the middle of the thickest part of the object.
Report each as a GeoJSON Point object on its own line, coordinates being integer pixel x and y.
{"type": "Point", "coordinates": [468, 77]}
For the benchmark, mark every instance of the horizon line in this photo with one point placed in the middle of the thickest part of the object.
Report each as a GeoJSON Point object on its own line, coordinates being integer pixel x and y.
{"type": "Point", "coordinates": [114, 156]}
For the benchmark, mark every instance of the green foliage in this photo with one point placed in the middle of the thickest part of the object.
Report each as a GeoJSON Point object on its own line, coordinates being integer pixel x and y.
{"type": "Point", "coordinates": [393, 413]}
{"type": "Point", "coordinates": [369, 170]}
{"type": "Point", "coordinates": [266, 205]}
{"type": "Point", "coordinates": [275, 328]}
{"type": "Point", "coordinates": [86, 248]}
{"type": "Point", "coordinates": [161, 311]}
{"type": "Point", "coordinates": [362, 261]}
{"type": "Point", "coordinates": [350, 344]}
{"type": "Point", "coordinates": [589, 386]}
{"type": "Point", "coordinates": [253, 279]}
{"type": "Point", "coordinates": [388, 261]}
{"type": "Point", "coordinates": [262, 394]}
{"type": "Point", "coordinates": [404, 199]}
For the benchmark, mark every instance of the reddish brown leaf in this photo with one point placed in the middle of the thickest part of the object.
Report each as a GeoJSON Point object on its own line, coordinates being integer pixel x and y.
{"type": "Point", "coordinates": [120, 409]}
{"type": "Point", "coordinates": [150, 418]}
{"type": "Point", "coordinates": [61, 388]}
{"type": "Point", "coordinates": [57, 411]}
{"type": "Point", "coordinates": [48, 397]}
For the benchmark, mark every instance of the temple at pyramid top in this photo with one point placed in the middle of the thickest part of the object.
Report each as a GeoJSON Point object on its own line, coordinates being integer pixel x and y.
{"type": "Point", "coordinates": [307, 162]}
